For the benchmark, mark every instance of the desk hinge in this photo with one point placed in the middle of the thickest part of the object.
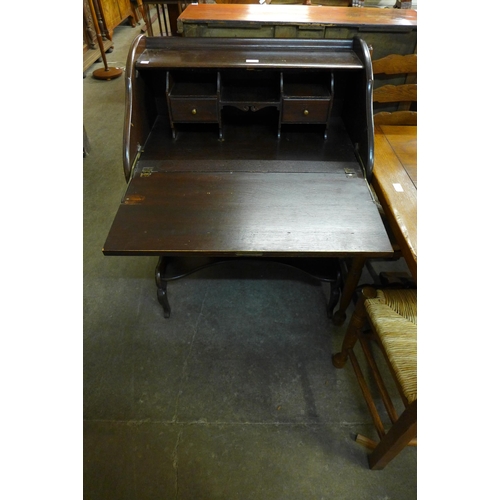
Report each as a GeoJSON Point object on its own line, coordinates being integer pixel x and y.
{"type": "Point", "coordinates": [146, 171]}
{"type": "Point", "coordinates": [140, 150]}
{"type": "Point", "coordinates": [132, 170]}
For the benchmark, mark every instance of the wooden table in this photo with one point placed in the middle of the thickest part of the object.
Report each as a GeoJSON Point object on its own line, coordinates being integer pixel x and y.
{"type": "Point", "coordinates": [387, 31]}
{"type": "Point", "coordinates": [395, 183]}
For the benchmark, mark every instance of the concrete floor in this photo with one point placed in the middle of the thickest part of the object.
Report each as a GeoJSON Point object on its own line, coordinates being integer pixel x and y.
{"type": "Point", "coordinates": [234, 396]}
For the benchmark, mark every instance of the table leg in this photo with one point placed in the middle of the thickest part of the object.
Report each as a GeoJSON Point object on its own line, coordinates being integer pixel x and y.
{"type": "Point", "coordinates": [174, 11]}
{"type": "Point", "coordinates": [161, 284]}
{"type": "Point", "coordinates": [350, 285]}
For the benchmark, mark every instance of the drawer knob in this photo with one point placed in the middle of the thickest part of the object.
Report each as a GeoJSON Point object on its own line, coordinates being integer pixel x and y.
{"type": "Point", "coordinates": [193, 111]}
{"type": "Point", "coordinates": [306, 112]}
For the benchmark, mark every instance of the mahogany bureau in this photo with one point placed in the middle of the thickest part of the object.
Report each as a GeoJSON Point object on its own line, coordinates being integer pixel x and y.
{"type": "Point", "coordinates": [249, 148]}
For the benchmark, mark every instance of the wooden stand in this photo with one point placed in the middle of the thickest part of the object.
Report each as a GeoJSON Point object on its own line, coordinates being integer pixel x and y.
{"type": "Point", "coordinates": [105, 73]}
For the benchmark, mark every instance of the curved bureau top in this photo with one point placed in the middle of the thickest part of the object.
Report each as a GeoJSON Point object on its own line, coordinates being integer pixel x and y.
{"type": "Point", "coordinates": [153, 53]}
{"type": "Point", "coordinates": [135, 129]}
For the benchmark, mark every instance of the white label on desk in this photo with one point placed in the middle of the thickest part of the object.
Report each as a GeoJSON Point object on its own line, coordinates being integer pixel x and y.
{"type": "Point", "coordinates": [398, 188]}
{"type": "Point", "coordinates": [252, 60]}
{"type": "Point", "coordinates": [144, 62]}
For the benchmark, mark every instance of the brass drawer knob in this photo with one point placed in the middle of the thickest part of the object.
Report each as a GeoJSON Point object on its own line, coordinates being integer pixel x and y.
{"type": "Point", "coordinates": [193, 111]}
{"type": "Point", "coordinates": [306, 112]}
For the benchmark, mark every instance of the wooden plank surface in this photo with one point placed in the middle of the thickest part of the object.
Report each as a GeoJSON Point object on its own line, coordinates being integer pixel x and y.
{"type": "Point", "coordinates": [299, 14]}
{"type": "Point", "coordinates": [403, 141]}
{"type": "Point", "coordinates": [247, 213]}
{"type": "Point", "coordinates": [395, 183]}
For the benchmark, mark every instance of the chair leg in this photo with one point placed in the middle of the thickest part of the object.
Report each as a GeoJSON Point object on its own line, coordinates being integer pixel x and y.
{"type": "Point", "coordinates": [397, 438]}
{"type": "Point", "coordinates": [357, 322]}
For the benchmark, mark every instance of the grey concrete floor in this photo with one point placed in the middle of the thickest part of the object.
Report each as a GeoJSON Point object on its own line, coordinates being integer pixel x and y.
{"type": "Point", "coordinates": [234, 396]}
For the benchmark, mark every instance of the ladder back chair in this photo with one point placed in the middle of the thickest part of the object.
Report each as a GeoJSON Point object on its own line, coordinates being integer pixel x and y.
{"type": "Point", "coordinates": [165, 14]}
{"type": "Point", "coordinates": [404, 95]}
{"type": "Point", "coordinates": [397, 91]}
{"type": "Point", "coordinates": [391, 315]}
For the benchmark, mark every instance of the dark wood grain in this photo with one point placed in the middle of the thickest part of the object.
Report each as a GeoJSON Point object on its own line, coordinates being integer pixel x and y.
{"type": "Point", "coordinates": [243, 132]}
{"type": "Point", "coordinates": [226, 153]}
{"type": "Point", "coordinates": [247, 213]}
{"type": "Point", "coordinates": [181, 53]}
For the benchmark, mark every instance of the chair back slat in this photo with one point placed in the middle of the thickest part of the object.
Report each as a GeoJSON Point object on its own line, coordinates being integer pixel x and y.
{"type": "Point", "coordinates": [396, 93]}
{"type": "Point", "coordinates": [401, 98]}
{"type": "Point", "coordinates": [395, 118]}
{"type": "Point", "coordinates": [395, 64]}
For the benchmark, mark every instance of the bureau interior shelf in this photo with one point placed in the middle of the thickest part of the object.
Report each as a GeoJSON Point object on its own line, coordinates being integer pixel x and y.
{"type": "Point", "coordinates": [307, 98]}
{"type": "Point", "coordinates": [300, 85]}
{"type": "Point", "coordinates": [192, 84]}
{"type": "Point", "coordinates": [204, 96]}
{"type": "Point", "coordinates": [249, 145]}
{"type": "Point", "coordinates": [250, 89]}
{"type": "Point", "coordinates": [193, 97]}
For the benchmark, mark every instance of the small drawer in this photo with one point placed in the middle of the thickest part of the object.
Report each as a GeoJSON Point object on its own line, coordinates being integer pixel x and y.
{"type": "Point", "coordinates": [305, 111]}
{"type": "Point", "coordinates": [194, 110]}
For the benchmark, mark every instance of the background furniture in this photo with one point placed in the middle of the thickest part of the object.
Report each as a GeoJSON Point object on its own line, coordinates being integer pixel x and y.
{"type": "Point", "coordinates": [392, 317]}
{"type": "Point", "coordinates": [107, 72]}
{"type": "Point", "coordinates": [395, 184]}
{"type": "Point", "coordinates": [234, 161]}
{"type": "Point", "coordinates": [112, 13]}
{"type": "Point", "coordinates": [403, 4]}
{"type": "Point", "coordinates": [393, 91]}
{"type": "Point", "coordinates": [91, 52]}
{"type": "Point", "coordinates": [238, 1]}
{"type": "Point", "coordinates": [109, 14]}
{"type": "Point", "coordinates": [388, 31]}
{"type": "Point", "coordinates": [165, 12]}
{"type": "Point", "coordinates": [395, 171]}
